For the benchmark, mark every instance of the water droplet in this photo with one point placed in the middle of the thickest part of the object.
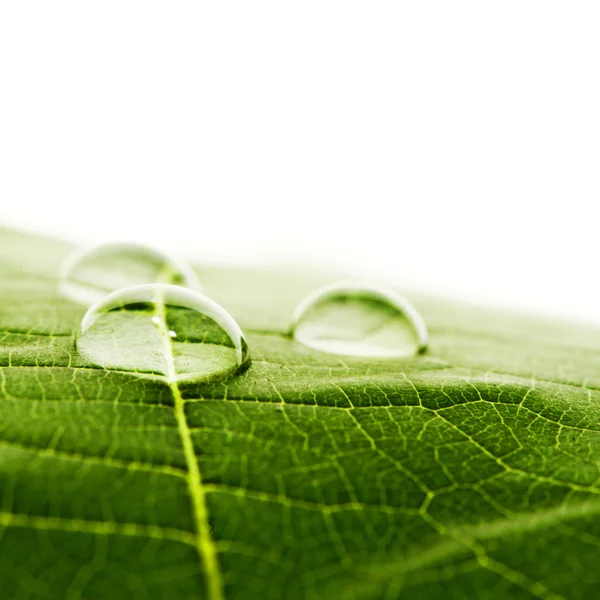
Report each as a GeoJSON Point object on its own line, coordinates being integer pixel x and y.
{"type": "Point", "coordinates": [87, 275]}
{"type": "Point", "coordinates": [121, 332]}
{"type": "Point", "coordinates": [359, 320]}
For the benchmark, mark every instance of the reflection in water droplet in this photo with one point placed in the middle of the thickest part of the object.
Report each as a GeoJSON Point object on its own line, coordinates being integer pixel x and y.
{"type": "Point", "coordinates": [359, 320]}
{"type": "Point", "coordinates": [121, 332]}
{"type": "Point", "coordinates": [88, 275]}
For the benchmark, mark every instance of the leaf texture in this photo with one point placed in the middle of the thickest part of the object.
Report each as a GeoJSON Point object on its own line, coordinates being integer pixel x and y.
{"type": "Point", "coordinates": [469, 472]}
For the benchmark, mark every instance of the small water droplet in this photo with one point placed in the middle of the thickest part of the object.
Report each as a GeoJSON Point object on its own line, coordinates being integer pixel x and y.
{"type": "Point", "coordinates": [359, 320]}
{"type": "Point", "coordinates": [87, 275]}
{"type": "Point", "coordinates": [121, 332]}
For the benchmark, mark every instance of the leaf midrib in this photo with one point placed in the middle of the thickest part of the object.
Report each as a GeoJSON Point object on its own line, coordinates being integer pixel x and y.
{"type": "Point", "coordinates": [207, 552]}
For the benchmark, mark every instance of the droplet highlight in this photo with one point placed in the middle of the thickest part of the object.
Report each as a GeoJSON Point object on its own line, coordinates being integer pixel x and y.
{"type": "Point", "coordinates": [166, 330]}
{"type": "Point", "coordinates": [359, 320]}
{"type": "Point", "coordinates": [87, 275]}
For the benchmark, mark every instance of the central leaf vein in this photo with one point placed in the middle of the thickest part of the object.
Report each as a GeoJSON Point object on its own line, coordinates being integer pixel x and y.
{"type": "Point", "coordinates": [205, 546]}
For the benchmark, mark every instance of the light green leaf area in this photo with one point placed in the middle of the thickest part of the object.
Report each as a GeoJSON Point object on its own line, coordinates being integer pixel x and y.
{"type": "Point", "coordinates": [469, 472]}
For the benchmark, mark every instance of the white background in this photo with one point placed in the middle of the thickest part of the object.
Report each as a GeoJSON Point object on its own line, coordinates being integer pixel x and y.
{"type": "Point", "coordinates": [451, 146]}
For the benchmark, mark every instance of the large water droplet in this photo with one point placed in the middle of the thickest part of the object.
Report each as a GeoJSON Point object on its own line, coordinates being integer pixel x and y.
{"type": "Point", "coordinates": [359, 320]}
{"type": "Point", "coordinates": [88, 275]}
{"type": "Point", "coordinates": [165, 329]}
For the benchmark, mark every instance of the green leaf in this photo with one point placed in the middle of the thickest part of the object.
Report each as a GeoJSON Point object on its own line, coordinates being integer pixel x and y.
{"type": "Point", "coordinates": [469, 472]}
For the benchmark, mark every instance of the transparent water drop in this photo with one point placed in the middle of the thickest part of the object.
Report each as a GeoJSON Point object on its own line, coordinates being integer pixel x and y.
{"type": "Point", "coordinates": [359, 320]}
{"type": "Point", "coordinates": [87, 275]}
{"type": "Point", "coordinates": [164, 329]}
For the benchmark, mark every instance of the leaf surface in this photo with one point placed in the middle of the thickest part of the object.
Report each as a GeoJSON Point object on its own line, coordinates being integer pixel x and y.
{"type": "Point", "coordinates": [469, 472]}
